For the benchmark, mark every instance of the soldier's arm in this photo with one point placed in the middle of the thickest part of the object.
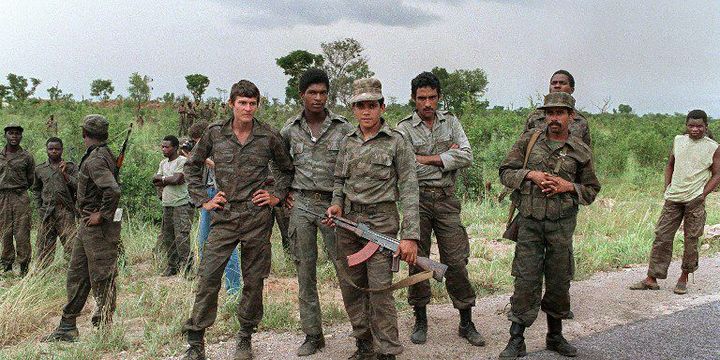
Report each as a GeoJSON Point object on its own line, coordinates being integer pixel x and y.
{"type": "Point", "coordinates": [178, 177]}
{"type": "Point", "coordinates": [71, 176]}
{"type": "Point", "coordinates": [30, 171]}
{"type": "Point", "coordinates": [460, 157]}
{"type": "Point", "coordinates": [340, 176]}
{"type": "Point", "coordinates": [284, 167]}
{"type": "Point", "coordinates": [408, 189]}
{"type": "Point", "coordinates": [669, 169]}
{"type": "Point", "coordinates": [512, 173]}
{"type": "Point", "coordinates": [36, 189]}
{"type": "Point", "coordinates": [715, 170]}
{"type": "Point", "coordinates": [100, 174]}
{"type": "Point", "coordinates": [588, 185]}
{"type": "Point", "coordinates": [193, 169]}
{"type": "Point", "coordinates": [274, 168]}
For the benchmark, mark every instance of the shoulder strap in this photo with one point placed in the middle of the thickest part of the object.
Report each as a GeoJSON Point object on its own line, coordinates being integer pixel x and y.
{"type": "Point", "coordinates": [531, 143]}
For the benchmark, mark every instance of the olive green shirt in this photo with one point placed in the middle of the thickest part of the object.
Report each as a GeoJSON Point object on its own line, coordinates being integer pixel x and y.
{"type": "Point", "coordinates": [445, 132]}
{"type": "Point", "coordinates": [314, 158]}
{"type": "Point", "coordinates": [52, 190]}
{"type": "Point", "coordinates": [17, 170]}
{"type": "Point", "coordinates": [693, 160]}
{"type": "Point", "coordinates": [381, 169]}
{"type": "Point", "coordinates": [571, 161]}
{"type": "Point", "coordinates": [240, 170]}
{"type": "Point", "coordinates": [98, 189]}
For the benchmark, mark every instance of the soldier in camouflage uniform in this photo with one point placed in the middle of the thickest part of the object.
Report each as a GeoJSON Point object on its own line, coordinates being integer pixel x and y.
{"type": "Point", "coordinates": [17, 173]}
{"type": "Point", "coordinates": [55, 187]}
{"type": "Point", "coordinates": [441, 148]}
{"type": "Point", "coordinates": [241, 148]}
{"type": "Point", "coordinates": [375, 169]}
{"type": "Point", "coordinates": [313, 138]}
{"type": "Point", "coordinates": [93, 263]}
{"type": "Point", "coordinates": [177, 210]}
{"type": "Point", "coordinates": [559, 177]}
{"type": "Point", "coordinates": [561, 81]}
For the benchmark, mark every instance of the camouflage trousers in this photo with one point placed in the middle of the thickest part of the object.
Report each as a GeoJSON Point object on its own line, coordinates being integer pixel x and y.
{"type": "Point", "coordinates": [93, 266]}
{"type": "Point", "coordinates": [692, 214]}
{"type": "Point", "coordinates": [15, 224]}
{"type": "Point", "coordinates": [250, 226]}
{"type": "Point", "coordinates": [61, 223]}
{"type": "Point", "coordinates": [440, 213]}
{"type": "Point", "coordinates": [544, 248]}
{"type": "Point", "coordinates": [373, 315]}
{"type": "Point", "coordinates": [176, 225]}
{"type": "Point", "coordinates": [282, 218]}
{"type": "Point", "coordinates": [302, 236]}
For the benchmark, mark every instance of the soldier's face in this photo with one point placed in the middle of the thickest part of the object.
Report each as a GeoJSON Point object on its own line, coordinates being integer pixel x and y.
{"type": "Point", "coordinates": [696, 128]}
{"type": "Point", "coordinates": [558, 119]}
{"type": "Point", "coordinates": [54, 151]}
{"type": "Point", "coordinates": [426, 102]}
{"type": "Point", "coordinates": [167, 149]}
{"type": "Point", "coordinates": [314, 98]}
{"type": "Point", "coordinates": [244, 108]}
{"type": "Point", "coordinates": [13, 137]}
{"type": "Point", "coordinates": [368, 113]}
{"type": "Point", "coordinates": [561, 83]}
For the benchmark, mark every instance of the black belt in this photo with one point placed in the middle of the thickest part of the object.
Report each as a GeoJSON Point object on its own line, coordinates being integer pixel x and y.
{"type": "Point", "coordinates": [317, 195]}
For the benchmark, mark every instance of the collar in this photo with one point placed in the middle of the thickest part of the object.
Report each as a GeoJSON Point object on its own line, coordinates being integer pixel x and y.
{"type": "Point", "coordinates": [417, 120]}
{"type": "Point", "coordinates": [257, 130]}
{"type": "Point", "coordinates": [384, 129]}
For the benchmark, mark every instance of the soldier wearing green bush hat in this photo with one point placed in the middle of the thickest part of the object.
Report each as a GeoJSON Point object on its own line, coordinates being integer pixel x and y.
{"type": "Point", "coordinates": [558, 176]}
{"type": "Point", "coordinates": [93, 263]}
{"type": "Point", "coordinates": [17, 173]}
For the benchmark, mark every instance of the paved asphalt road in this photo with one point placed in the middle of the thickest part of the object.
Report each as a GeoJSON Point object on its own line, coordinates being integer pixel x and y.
{"type": "Point", "coordinates": [693, 333]}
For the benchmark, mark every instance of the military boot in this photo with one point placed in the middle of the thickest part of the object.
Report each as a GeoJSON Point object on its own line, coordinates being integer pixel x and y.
{"type": "Point", "coordinates": [196, 340]}
{"type": "Point", "coordinates": [243, 350]}
{"type": "Point", "coordinates": [386, 357]}
{"type": "Point", "coordinates": [7, 267]}
{"type": "Point", "coordinates": [419, 335]}
{"type": "Point", "coordinates": [467, 328]}
{"type": "Point", "coordinates": [66, 331]}
{"type": "Point", "coordinates": [24, 267]}
{"type": "Point", "coordinates": [516, 346]}
{"type": "Point", "coordinates": [312, 344]}
{"type": "Point", "coordinates": [169, 271]}
{"type": "Point", "coordinates": [554, 340]}
{"type": "Point", "coordinates": [364, 350]}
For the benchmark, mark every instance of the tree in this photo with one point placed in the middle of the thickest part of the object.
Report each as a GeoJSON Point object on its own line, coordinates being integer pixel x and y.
{"type": "Point", "coordinates": [344, 63]}
{"type": "Point", "coordinates": [461, 85]}
{"type": "Point", "coordinates": [54, 92]}
{"type": "Point", "coordinates": [293, 65]}
{"type": "Point", "coordinates": [20, 90]}
{"type": "Point", "coordinates": [4, 93]}
{"type": "Point", "coordinates": [624, 109]}
{"type": "Point", "coordinates": [168, 98]}
{"type": "Point", "coordinates": [197, 84]}
{"type": "Point", "coordinates": [102, 88]}
{"type": "Point", "coordinates": [139, 89]}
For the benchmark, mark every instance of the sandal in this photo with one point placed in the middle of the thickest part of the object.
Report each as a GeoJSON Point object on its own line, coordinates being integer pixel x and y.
{"type": "Point", "coordinates": [642, 285]}
{"type": "Point", "coordinates": [680, 288]}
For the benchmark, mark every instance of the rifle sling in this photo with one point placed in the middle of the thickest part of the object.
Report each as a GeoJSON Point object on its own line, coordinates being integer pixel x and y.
{"type": "Point", "coordinates": [406, 282]}
{"type": "Point", "coordinates": [528, 149]}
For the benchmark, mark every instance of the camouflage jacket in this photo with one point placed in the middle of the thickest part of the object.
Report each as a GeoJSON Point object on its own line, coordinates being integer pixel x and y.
{"type": "Point", "coordinates": [97, 188]}
{"type": "Point", "coordinates": [240, 170]}
{"type": "Point", "coordinates": [380, 169]}
{"type": "Point", "coordinates": [17, 170]}
{"type": "Point", "coordinates": [52, 190]}
{"type": "Point", "coordinates": [572, 161]}
{"type": "Point", "coordinates": [314, 159]}
{"type": "Point", "coordinates": [446, 131]}
{"type": "Point", "coordinates": [579, 127]}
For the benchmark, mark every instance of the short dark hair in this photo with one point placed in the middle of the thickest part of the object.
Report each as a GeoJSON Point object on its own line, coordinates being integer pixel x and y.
{"type": "Point", "coordinates": [99, 137]}
{"type": "Point", "coordinates": [54, 140]}
{"type": "Point", "coordinates": [173, 140]}
{"type": "Point", "coordinates": [425, 79]}
{"type": "Point", "coordinates": [568, 74]}
{"type": "Point", "coordinates": [244, 88]}
{"type": "Point", "coordinates": [313, 76]}
{"type": "Point", "coordinates": [197, 129]}
{"type": "Point", "coordinates": [697, 114]}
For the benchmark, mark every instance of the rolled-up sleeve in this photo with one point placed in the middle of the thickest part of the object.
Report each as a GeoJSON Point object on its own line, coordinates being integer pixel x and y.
{"type": "Point", "coordinates": [512, 173]}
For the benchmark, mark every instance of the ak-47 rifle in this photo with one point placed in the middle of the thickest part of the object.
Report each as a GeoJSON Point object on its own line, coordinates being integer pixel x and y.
{"type": "Point", "coordinates": [123, 149]}
{"type": "Point", "coordinates": [375, 243]}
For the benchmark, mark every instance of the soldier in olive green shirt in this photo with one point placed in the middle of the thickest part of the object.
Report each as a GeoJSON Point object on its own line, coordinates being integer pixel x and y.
{"type": "Point", "coordinates": [375, 169]}
{"type": "Point", "coordinates": [313, 139]}
{"type": "Point", "coordinates": [17, 173]}
{"type": "Point", "coordinates": [441, 148]}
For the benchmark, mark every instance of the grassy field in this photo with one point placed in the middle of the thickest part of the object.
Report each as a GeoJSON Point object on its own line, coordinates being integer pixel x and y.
{"type": "Point", "coordinates": [615, 231]}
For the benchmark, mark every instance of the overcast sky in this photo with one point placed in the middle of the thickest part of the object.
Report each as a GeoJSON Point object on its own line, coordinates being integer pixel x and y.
{"type": "Point", "coordinates": [657, 56]}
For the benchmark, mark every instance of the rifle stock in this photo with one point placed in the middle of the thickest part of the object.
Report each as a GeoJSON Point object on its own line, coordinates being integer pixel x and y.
{"type": "Point", "coordinates": [427, 264]}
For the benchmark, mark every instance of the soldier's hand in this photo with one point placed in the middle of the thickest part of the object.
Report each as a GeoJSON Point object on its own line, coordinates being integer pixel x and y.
{"type": "Point", "coordinates": [538, 177]}
{"type": "Point", "coordinates": [407, 250]}
{"type": "Point", "coordinates": [63, 166]}
{"type": "Point", "coordinates": [332, 211]}
{"type": "Point", "coordinates": [209, 163]}
{"type": "Point", "coordinates": [557, 185]}
{"type": "Point", "coordinates": [93, 218]}
{"type": "Point", "coordinates": [454, 146]}
{"type": "Point", "coordinates": [289, 201]}
{"type": "Point", "coordinates": [216, 203]}
{"type": "Point", "coordinates": [263, 197]}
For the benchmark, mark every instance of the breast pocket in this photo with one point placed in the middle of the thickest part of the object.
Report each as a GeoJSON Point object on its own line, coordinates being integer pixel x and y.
{"type": "Point", "coordinates": [381, 167]}
{"type": "Point", "coordinates": [299, 153]}
{"type": "Point", "coordinates": [443, 144]}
